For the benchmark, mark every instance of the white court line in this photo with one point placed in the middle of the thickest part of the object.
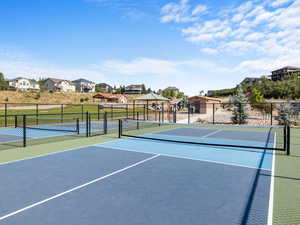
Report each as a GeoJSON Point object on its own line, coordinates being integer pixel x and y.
{"type": "Point", "coordinates": [212, 133]}
{"type": "Point", "coordinates": [271, 197]}
{"type": "Point", "coordinates": [183, 157]}
{"type": "Point", "coordinates": [76, 188]}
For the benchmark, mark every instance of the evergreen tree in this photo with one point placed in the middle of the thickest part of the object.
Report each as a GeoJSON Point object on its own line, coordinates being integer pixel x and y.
{"type": "Point", "coordinates": [285, 114]}
{"type": "Point", "coordinates": [241, 107]}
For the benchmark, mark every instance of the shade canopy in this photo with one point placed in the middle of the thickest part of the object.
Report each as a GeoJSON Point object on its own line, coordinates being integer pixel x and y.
{"type": "Point", "coordinates": [151, 97]}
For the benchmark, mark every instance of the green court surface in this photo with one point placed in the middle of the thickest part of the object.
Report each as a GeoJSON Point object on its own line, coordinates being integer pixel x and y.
{"type": "Point", "coordinates": [286, 205]}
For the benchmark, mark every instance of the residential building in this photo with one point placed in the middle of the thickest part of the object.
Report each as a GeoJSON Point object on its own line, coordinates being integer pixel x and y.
{"type": "Point", "coordinates": [250, 80]}
{"type": "Point", "coordinates": [135, 89]}
{"type": "Point", "coordinates": [53, 84]}
{"type": "Point", "coordinates": [84, 86]}
{"type": "Point", "coordinates": [174, 89]}
{"type": "Point", "coordinates": [103, 87]}
{"type": "Point", "coordinates": [204, 104]}
{"type": "Point", "coordinates": [110, 98]}
{"type": "Point", "coordinates": [282, 72]}
{"type": "Point", "coordinates": [24, 84]}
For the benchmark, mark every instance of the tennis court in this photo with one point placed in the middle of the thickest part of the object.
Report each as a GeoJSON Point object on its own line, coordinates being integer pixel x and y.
{"type": "Point", "coordinates": [137, 180]}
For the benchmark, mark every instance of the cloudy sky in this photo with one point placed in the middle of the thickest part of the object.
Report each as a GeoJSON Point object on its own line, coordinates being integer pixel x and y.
{"type": "Point", "coordinates": [192, 44]}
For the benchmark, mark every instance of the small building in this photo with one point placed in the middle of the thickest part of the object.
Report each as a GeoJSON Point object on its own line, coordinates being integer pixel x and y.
{"type": "Point", "coordinates": [204, 104]}
{"type": "Point", "coordinates": [84, 86]}
{"type": "Point", "coordinates": [134, 89]}
{"type": "Point", "coordinates": [53, 84]}
{"type": "Point", "coordinates": [110, 98]}
{"type": "Point", "coordinates": [283, 72]}
{"type": "Point", "coordinates": [23, 84]}
{"type": "Point", "coordinates": [250, 80]}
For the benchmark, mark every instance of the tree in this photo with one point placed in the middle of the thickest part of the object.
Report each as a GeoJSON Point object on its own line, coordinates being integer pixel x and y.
{"type": "Point", "coordinates": [285, 113]}
{"type": "Point", "coordinates": [257, 99]}
{"type": "Point", "coordinates": [241, 107]}
{"type": "Point", "coordinates": [201, 93]}
{"type": "Point", "coordinates": [3, 83]}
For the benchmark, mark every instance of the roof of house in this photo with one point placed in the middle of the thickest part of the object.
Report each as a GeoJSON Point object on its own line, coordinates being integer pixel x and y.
{"type": "Point", "coordinates": [151, 97]}
{"type": "Point", "coordinates": [250, 79]}
{"type": "Point", "coordinates": [55, 80]}
{"type": "Point", "coordinates": [134, 86]}
{"type": "Point", "coordinates": [205, 98]}
{"type": "Point", "coordinates": [174, 88]}
{"type": "Point", "coordinates": [109, 96]}
{"type": "Point", "coordinates": [104, 84]}
{"type": "Point", "coordinates": [288, 67]}
{"type": "Point", "coordinates": [19, 78]}
{"type": "Point", "coordinates": [82, 80]}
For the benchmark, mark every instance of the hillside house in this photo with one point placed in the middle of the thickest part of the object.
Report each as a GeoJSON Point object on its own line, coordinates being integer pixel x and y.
{"type": "Point", "coordinates": [250, 80]}
{"type": "Point", "coordinates": [23, 84]}
{"type": "Point", "coordinates": [135, 89]}
{"type": "Point", "coordinates": [283, 72]}
{"type": "Point", "coordinates": [84, 86]}
{"type": "Point", "coordinates": [53, 84]}
{"type": "Point", "coordinates": [103, 87]}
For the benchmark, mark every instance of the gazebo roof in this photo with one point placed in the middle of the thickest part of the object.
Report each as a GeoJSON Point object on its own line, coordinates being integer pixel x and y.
{"type": "Point", "coordinates": [151, 97]}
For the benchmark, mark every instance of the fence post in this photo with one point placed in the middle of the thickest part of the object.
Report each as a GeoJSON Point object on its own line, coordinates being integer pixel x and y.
{"type": "Point", "coordinates": [144, 112]}
{"type": "Point", "coordinates": [77, 126]}
{"type": "Point", "coordinates": [213, 113]}
{"type": "Point", "coordinates": [240, 113]}
{"type": "Point", "coordinates": [37, 113]}
{"type": "Point", "coordinates": [82, 112]}
{"type": "Point", "coordinates": [271, 113]}
{"type": "Point", "coordinates": [5, 114]}
{"type": "Point", "coordinates": [189, 113]}
{"type": "Point", "coordinates": [288, 149]}
{"type": "Point", "coordinates": [163, 112]}
{"type": "Point", "coordinates": [105, 123]}
{"type": "Point", "coordinates": [98, 111]}
{"type": "Point", "coordinates": [127, 111]}
{"type": "Point", "coordinates": [112, 111]}
{"type": "Point", "coordinates": [120, 128]}
{"type": "Point", "coordinates": [62, 112]}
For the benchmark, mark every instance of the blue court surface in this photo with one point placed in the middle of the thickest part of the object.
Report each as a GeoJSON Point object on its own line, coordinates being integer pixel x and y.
{"type": "Point", "coordinates": [16, 134]}
{"type": "Point", "coordinates": [139, 182]}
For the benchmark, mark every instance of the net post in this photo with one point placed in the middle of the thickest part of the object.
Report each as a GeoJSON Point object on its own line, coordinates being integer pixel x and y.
{"type": "Point", "coordinates": [120, 128]}
{"type": "Point", "coordinates": [213, 113]}
{"type": "Point", "coordinates": [87, 123]}
{"type": "Point", "coordinates": [90, 125]}
{"type": "Point", "coordinates": [5, 114]}
{"type": "Point", "coordinates": [77, 126]}
{"type": "Point", "coordinates": [288, 144]}
{"type": "Point", "coordinates": [105, 123]}
{"type": "Point", "coordinates": [24, 131]}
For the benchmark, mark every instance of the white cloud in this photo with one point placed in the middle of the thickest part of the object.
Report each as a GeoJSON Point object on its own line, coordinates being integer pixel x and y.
{"type": "Point", "coordinates": [209, 50]}
{"type": "Point", "coordinates": [279, 3]}
{"type": "Point", "coordinates": [199, 9]}
{"type": "Point", "coordinates": [181, 12]}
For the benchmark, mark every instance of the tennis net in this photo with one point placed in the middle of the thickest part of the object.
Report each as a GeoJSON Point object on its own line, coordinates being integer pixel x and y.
{"type": "Point", "coordinates": [48, 123]}
{"type": "Point", "coordinates": [231, 136]}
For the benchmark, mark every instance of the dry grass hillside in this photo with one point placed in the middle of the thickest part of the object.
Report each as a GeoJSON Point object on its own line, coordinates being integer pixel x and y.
{"type": "Point", "coordinates": [44, 97]}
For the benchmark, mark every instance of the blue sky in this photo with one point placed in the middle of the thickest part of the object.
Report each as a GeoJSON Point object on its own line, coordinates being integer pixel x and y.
{"type": "Point", "coordinates": [192, 44]}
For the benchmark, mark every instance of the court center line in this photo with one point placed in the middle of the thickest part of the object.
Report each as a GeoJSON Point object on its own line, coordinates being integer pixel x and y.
{"type": "Point", "coordinates": [212, 133]}
{"type": "Point", "coordinates": [77, 188]}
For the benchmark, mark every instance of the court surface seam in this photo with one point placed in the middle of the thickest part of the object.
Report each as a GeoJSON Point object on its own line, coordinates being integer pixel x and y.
{"type": "Point", "coordinates": [77, 187]}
